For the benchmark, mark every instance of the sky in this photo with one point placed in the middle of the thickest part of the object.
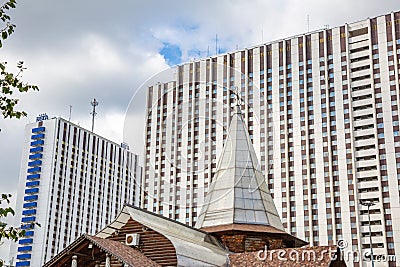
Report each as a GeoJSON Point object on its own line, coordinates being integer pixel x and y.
{"type": "Point", "coordinates": [79, 50]}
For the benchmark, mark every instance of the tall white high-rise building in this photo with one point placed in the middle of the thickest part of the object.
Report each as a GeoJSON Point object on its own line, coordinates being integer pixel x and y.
{"type": "Point", "coordinates": [72, 181]}
{"type": "Point", "coordinates": [322, 109]}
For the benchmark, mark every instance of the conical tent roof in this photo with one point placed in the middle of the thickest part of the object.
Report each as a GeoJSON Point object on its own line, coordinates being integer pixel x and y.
{"type": "Point", "coordinates": [238, 193]}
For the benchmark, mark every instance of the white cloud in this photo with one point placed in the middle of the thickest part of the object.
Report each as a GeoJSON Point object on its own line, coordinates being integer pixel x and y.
{"type": "Point", "coordinates": [101, 55]}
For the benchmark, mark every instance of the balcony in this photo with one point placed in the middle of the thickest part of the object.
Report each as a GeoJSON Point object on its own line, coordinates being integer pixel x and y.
{"type": "Point", "coordinates": [359, 54]}
{"type": "Point", "coordinates": [368, 184]}
{"type": "Point", "coordinates": [25, 241]}
{"type": "Point", "coordinates": [36, 149]}
{"type": "Point", "coordinates": [364, 142]}
{"type": "Point", "coordinates": [32, 184]}
{"type": "Point", "coordinates": [363, 112]}
{"type": "Point", "coordinates": [24, 256]}
{"type": "Point", "coordinates": [29, 233]}
{"type": "Point", "coordinates": [38, 130]}
{"type": "Point", "coordinates": [358, 45]}
{"type": "Point", "coordinates": [30, 198]}
{"type": "Point", "coordinates": [365, 132]}
{"type": "Point", "coordinates": [35, 163]}
{"type": "Point", "coordinates": [23, 264]}
{"type": "Point", "coordinates": [29, 212]}
{"type": "Point", "coordinates": [31, 191]}
{"type": "Point", "coordinates": [360, 63]}
{"type": "Point", "coordinates": [366, 163]}
{"type": "Point", "coordinates": [377, 241]}
{"type": "Point", "coordinates": [364, 122]}
{"type": "Point", "coordinates": [36, 156]}
{"type": "Point", "coordinates": [27, 226]}
{"type": "Point", "coordinates": [359, 93]}
{"type": "Point", "coordinates": [37, 143]}
{"type": "Point", "coordinates": [30, 205]}
{"type": "Point", "coordinates": [358, 39]}
{"type": "Point", "coordinates": [362, 104]}
{"type": "Point", "coordinates": [33, 176]}
{"type": "Point", "coordinates": [34, 170]}
{"type": "Point", "coordinates": [38, 136]}
{"type": "Point", "coordinates": [367, 195]}
{"type": "Point", "coordinates": [28, 219]}
{"type": "Point", "coordinates": [25, 248]}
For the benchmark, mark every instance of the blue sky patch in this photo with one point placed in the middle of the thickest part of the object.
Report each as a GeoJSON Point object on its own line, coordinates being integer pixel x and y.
{"type": "Point", "coordinates": [172, 53]}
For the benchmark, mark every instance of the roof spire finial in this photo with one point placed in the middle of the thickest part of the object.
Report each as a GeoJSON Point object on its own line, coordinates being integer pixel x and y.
{"type": "Point", "coordinates": [238, 193]}
{"type": "Point", "coordinates": [238, 98]}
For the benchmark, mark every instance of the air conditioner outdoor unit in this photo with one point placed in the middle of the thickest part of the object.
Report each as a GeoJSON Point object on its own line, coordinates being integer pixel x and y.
{"type": "Point", "coordinates": [132, 239]}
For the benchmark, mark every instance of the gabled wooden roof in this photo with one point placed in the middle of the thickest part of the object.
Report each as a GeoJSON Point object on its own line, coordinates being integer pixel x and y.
{"type": "Point", "coordinates": [91, 250]}
{"type": "Point", "coordinates": [122, 252]}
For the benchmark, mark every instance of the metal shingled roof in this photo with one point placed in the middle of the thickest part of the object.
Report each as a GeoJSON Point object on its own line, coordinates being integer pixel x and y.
{"type": "Point", "coordinates": [238, 193]}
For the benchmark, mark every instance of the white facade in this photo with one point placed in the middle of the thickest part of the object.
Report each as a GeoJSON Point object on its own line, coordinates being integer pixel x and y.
{"type": "Point", "coordinates": [76, 183]}
{"type": "Point", "coordinates": [322, 110]}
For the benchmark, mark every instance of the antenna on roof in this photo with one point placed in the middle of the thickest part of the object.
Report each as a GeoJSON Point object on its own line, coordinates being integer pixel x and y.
{"type": "Point", "coordinates": [94, 103]}
{"type": "Point", "coordinates": [70, 112]}
{"type": "Point", "coordinates": [262, 36]}
{"type": "Point", "coordinates": [216, 44]}
{"type": "Point", "coordinates": [308, 23]}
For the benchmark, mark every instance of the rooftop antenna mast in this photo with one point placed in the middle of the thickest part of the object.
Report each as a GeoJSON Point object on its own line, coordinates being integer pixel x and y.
{"type": "Point", "coordinates": [94, 104]}
{"type": "Point", "coordinates": [216, 44]}
{"type": "Point", "coordinates": [262, 36]}
{"type": "Point", "coordinates": [70, 112]}
{"type": "Point", "coordinates": [308, 23]}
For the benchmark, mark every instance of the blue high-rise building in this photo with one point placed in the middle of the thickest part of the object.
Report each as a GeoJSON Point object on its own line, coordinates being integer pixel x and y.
{"type": "Point", "coordinates": [72, 181]}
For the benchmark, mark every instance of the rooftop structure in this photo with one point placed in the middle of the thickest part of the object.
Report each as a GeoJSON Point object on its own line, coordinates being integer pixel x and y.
{"type": "Point", "coordinates": [238, 193]}
{"type": "Point", "coordinates": [238, 207]}
{"type": "Point", "coordinates": [160, 241]}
